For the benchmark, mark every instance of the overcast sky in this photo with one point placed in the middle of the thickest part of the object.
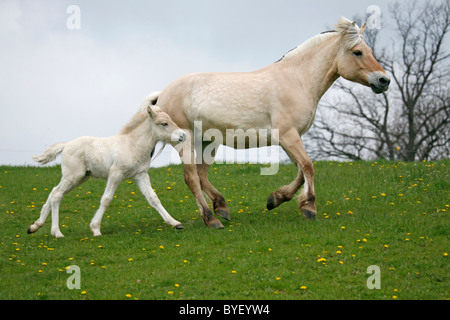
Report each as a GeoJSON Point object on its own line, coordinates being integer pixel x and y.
{"type": "Point", "coordinates": [57, 83]}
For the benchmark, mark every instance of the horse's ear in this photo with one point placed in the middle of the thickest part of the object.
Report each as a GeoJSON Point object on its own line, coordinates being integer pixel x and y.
{"type": "Point", "coordinates": [151, 112]}
{"type": "Point", "coordinates": [361, 31]}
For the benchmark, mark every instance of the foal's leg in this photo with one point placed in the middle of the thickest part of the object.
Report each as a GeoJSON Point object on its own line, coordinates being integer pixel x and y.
{"type": "Point", "coordinates": [53, 202]}
{"type": "Point", "coordinates": [292, 143]}
{"type": "Point", "coordinates": [111, 187]}
{"type": "Point", "coordinates": [43, 216]}
{"type": "Point", "coordinates": [143, 182]}
{"type": "Point", "coordinates": [186, 151]}
{"type": "Point", "coordinates": [219, 204]}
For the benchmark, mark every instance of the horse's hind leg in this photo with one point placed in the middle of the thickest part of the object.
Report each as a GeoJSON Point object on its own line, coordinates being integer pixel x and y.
{"type": "Point", "coordinates": [292, 143]}
{"type": "Point", "coordinates": [219, 204]}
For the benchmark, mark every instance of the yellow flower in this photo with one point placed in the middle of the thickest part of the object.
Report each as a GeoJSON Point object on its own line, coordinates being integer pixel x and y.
{"type": "Point", "coordinates": [170, 292]}
{"type": "Point", "coordinates": [233, 271]}
{"type": "Point", "coordinates": [128, 295]}
{"type": "Point", "coordinates": [303, 287]}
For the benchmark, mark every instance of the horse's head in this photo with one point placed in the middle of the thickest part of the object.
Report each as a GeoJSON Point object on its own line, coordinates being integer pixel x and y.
{"type": "Point", "coordinates": [164, 129]}
{"type": "Point", "coordinates": [355, 61]}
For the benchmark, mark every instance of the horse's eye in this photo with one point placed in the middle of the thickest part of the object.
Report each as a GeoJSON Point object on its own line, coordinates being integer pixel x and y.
{"type": "Point", "coordinates": [357, 53]}
{"type": "Point", "coordinates": [164, 124]}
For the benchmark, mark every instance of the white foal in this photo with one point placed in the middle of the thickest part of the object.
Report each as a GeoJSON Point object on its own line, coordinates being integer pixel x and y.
{"type": "Point", "coordinates": [124, 156]}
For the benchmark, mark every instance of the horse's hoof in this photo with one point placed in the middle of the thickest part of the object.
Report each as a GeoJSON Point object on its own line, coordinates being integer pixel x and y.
{"type": "Point", "coordinates": [29, 230]}
{"type": "Point", "coordinates": [275, 200]}
{"type": "Point", "coordinates": [223, 213]}
{"type": "Point", "coordinates": [270, 202]}
{"type": "Point", "coordinates": [215, 224]}
{"type": "Point", "coordinates": [179, 226]}
{"type": "Point", "coordinates": [310, 215]}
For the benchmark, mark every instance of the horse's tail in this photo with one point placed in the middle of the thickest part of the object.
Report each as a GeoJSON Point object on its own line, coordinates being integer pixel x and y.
{"type": "Point", "coordinates": [51, 153]}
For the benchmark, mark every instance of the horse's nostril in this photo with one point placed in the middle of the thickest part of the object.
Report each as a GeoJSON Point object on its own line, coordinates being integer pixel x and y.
{"type": "Point", "coordinates": [384, 81]}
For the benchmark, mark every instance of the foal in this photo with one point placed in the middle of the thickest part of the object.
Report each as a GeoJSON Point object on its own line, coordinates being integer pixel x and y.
{"type": "Point", "coordinates": [124, 156]}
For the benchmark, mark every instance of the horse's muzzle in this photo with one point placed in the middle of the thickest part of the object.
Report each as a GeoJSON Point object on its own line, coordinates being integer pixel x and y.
{"type": "Point", "coordinates": [379, 81]}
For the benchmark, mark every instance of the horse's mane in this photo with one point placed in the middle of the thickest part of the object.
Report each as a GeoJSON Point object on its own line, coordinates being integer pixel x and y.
{"type": "Point", "coordinates": [348, 30]}
{"type": "Point", "coordinates": [351, 33]}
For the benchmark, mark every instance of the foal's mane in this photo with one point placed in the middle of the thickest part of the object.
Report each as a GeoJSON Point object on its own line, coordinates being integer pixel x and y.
{"type": "Point", "coordinates": [135, 122]}
{"type": "Point", "coordinates": [347, 29]}
{"type": "Point", "coordinates": [141, 114]}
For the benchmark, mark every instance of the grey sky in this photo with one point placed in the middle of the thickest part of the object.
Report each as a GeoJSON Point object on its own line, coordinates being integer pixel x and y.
{"type": "Point", "coordinates": [57, 84]}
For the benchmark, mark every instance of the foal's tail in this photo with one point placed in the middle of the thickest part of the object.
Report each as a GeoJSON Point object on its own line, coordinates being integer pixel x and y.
{"type": "Point", "coordinates": [51, 153]}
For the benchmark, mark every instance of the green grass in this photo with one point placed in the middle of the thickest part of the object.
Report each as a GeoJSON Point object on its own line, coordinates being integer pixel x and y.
{"type": "Point", "coordinates": [393, 215]}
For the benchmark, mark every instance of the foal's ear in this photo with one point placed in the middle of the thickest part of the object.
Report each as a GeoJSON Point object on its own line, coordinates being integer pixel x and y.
{"type": "Point", "coordinates": [151, 112]}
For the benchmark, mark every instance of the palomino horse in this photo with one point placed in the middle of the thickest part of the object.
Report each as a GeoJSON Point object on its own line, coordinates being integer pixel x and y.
{"type": "Point", "coordinates": [283, 96]}
{"type": "Point", "coordinates": [124, 156]}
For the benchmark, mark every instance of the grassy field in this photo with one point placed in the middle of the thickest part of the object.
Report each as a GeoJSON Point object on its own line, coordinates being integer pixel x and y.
{"type": "Point", "coordinates": [389, 214]}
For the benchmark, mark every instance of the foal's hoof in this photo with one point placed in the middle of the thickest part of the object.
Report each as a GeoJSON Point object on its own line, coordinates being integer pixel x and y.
{"type": "Point", "coordinates": [224, 213]}
{"type": "Point", "coordinates": [310, 215]}
{"type": "Point", "coordinates": [179, 226]}
{"type": "Point", "coordinates": [29, 230]}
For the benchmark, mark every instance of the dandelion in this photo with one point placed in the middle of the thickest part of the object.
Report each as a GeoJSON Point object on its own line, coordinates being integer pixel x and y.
{"type": "Point", "coordinates": [128, 295]}
{"type": "Point", "coordinates": [303, 287]}
{"type": "Point", "coordinates": [131, 259]}
{"type": "Point", "coordinates": [177, 285]}
{"type": "Point", "coordinates": [278, 278]}
{"type": "Point", "coordinates": [233, 271]}
{"type": "Point", "coordinates": [445, 254]}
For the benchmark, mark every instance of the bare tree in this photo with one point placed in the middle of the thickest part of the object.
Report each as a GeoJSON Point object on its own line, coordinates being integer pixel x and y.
{"type": "Point", "coordinates": [412, 120]}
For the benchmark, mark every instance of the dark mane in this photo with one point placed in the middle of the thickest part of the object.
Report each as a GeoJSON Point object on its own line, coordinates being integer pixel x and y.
{"type": "Point", "coordinates": [329, 31]}
{"type": "Point", "coordinates": [285, 54]}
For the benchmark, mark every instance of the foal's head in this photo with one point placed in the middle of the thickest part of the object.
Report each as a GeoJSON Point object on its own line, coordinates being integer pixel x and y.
{"type": "Point", "coordinates": [355, 59]}
{"type": "Point", "coordinates": [164, 129]}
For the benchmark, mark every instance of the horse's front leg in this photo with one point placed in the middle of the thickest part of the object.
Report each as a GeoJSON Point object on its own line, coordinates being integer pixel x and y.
{"type": "Point", "coordinates": [186, 151]}
{"type": "Point", "coordinates": [293, 145]}
{"type": "Point", "coordinates": [219, 204]}
{"type": "Point", "coordinates": [143, 182]}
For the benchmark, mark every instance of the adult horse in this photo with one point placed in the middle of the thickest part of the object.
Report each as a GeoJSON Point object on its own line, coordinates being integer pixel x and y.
{"type": "Point", "coordinates": [283, 97]}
